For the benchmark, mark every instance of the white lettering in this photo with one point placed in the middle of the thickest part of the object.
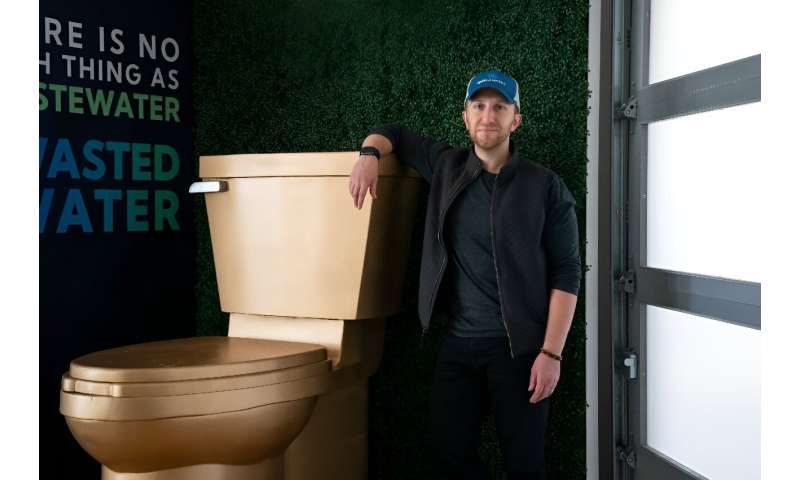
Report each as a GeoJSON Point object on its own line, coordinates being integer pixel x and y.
{"type": "Point", "coordinates": [52, 28]}
{"type": "Point", "coordinates": [132, 74]}
{"type": "Point", "coordinates": [149, 46]}
{"type": "Point", "coordinates": [69, 59]}
{"type": "Point", "coordinates": [74, 29]}
{"type": "Point", "coordinates": [86, 67]}
{"type": "Point", "coordinates": [175, 50]}
{"type": "Point", "coordinates": [46, 63]}
{"type": "Point", "coordinates": [116, 37]}
{"type": "Point", "coordinates": [173, 76]}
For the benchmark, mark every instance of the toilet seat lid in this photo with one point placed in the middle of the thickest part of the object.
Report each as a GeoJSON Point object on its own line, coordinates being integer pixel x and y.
{"type": "Point", "coordinates": [192, 359]}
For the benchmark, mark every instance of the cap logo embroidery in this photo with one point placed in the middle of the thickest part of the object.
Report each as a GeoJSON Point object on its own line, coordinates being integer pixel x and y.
{"type": "Point", "coordinates": [491, 80]}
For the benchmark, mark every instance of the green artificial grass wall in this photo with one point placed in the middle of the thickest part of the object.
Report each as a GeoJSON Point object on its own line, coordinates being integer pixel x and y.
{"type": "Point", "coordinates": [315, 75]}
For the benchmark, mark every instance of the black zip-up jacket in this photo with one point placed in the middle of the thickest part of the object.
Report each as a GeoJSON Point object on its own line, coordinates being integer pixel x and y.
{"type": "Point", "coordinates": [533, 227]}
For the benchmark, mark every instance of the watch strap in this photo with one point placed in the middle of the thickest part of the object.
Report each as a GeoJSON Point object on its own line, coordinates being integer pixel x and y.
{"type": "Point", "coordinates": [370, 151]}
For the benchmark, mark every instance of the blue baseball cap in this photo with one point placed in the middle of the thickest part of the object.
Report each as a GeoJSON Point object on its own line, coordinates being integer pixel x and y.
{"type": "Point", "coordinates": [507, 86]}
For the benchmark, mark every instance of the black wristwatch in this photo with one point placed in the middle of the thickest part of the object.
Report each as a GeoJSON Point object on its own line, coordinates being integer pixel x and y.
{"type": "Point", "coordinates": [371, 151]}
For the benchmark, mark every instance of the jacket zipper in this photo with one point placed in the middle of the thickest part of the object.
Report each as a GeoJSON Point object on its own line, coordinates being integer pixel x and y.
{"type": "Point", "coordinates": [441, 242]}
{"type": "Point", "coordinates": [496, 271]}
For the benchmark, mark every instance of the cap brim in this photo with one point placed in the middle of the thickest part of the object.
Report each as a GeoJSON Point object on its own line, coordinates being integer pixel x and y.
{"type": "Point", "coordinates": [504, 94]}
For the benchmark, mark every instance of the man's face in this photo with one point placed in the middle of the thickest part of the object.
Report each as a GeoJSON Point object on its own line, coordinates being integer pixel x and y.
{"type": "Point", "coordinates": [489, 118]}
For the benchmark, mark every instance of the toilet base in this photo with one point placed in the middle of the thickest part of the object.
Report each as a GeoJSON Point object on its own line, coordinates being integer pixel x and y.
{"type": "Point", "coordinates": [266, 470]}
{"type": "Point", "coordinates": [335, 438]}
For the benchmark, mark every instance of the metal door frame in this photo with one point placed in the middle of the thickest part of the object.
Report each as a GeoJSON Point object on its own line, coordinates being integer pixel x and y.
{"type": "Point", "coordinates": [604, 253]}
{"type": "Point", "coordinates": [737, 302]}
{"type": "Point", "coordinates": [620, 126]}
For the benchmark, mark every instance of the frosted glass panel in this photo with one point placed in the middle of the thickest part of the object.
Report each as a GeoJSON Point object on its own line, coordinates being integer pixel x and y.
{"type": "Point", "coordinates": [691, 35]}
{"type": "Point", "coordinates": [706, 184]}
{"type": "Point", "coordinates": [703, 385]}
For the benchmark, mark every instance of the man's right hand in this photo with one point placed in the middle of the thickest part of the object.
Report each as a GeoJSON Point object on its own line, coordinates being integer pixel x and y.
{"type": "Point", "coordinates": [363, 178]}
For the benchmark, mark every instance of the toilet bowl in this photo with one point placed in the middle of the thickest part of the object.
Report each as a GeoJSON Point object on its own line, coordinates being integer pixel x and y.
{"type": "Point", "coordinates": [307, 280]}
{"type": "Point", "coordinates": [155, 406]}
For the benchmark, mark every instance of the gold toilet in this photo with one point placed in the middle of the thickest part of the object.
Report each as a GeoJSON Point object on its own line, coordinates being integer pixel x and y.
{"type": "Point", "coordinates": [307, 280]}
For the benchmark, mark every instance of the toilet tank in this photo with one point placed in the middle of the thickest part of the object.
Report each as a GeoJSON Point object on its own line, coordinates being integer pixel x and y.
{"type": "Point", "coordinates": [287, 240]}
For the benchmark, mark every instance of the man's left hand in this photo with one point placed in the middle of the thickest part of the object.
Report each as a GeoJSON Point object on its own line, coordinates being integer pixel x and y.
{"type": "Point", "coordinates": [544, 377]}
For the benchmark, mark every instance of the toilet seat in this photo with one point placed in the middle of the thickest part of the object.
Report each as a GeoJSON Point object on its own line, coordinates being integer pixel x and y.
{"type": "Point", "coordinates": [192, 376]}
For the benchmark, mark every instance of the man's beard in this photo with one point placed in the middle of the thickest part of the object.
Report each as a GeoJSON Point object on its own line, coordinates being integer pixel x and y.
{"type": "Point", "coordinates": [493, 141]}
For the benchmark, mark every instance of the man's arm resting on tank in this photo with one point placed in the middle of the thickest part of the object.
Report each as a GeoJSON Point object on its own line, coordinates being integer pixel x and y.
{"type": "Point", "coordinates": [364, 177]}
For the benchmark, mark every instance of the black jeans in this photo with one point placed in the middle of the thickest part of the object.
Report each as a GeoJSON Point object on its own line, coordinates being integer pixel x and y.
{"type": "Point", "coordinates": [472, 373]}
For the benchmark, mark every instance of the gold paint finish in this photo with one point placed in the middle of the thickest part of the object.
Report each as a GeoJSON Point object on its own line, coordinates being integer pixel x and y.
{"type": "Point", "coordinates": [334, 442]}
{"type": "Point", "coordinates": [91, 407]}
{"type": "Point", "coordinates": [295, 246]}
{"type": "Point", "coordinates": [270, 468]}
{"type": "Point", "coordinates": [284, 396]}
{"type": "Point", "coordinates": [192, 358]}
{"type": "Point", "coordinates": [320, 164]}
{"type": "Point", "coordinates": [347, 342]}
{"type": "Point", "coordinates": [188, 387]}
{"type": "Point", "coordinates": [238, 438]}
{"type": "Point", "coordinates": [325, 332]}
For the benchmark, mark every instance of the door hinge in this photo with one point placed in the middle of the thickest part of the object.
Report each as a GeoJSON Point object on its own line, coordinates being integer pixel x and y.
{"type": "Point", "coordinates": [627, 282]}
{"type": "Point", "coordinates": [627, 455]}
{"type": "Point", "coordinates": [627, 109]}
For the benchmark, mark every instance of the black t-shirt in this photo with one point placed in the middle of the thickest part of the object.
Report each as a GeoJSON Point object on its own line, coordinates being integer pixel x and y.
{"type": "Point", "coordinates": [472, 302]}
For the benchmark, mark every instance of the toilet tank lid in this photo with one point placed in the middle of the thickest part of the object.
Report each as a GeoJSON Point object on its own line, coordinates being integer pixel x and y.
{"type": "Point", "coordinates": [193, 358]}
{"type": "Point", "coordinates": [322, 164]}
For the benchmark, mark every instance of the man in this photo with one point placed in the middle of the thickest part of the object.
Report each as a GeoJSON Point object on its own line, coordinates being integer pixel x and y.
{"type": "Point", "coordinates": [501, 264]}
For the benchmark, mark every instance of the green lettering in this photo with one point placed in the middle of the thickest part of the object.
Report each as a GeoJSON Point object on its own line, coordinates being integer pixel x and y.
{"type": "Point", "coordinates": [57, 90]}
{"type": "Point", "coordinates": [166, 204]}
{"type": "Point", "coordinates": [75, 100]}
{"type": "Point", "coordinates": [123, 105]}
{"type": "Point", "coordinates": [98, 100]}
{"type": "Point", "coordinates": [42, 98]}
{"type": "Point", "coordinates": [140, 99]}
{"type": "Point", "coordinates": [171, 109]}
{"type": "Point", "coordinates": [136, 210]}
{"type": "Point", "coordinates": [140, 160]}
{"type": "Point", "coordinates": [160, 152]}
{"type": "Point", "coordinates": [108, 197]}
{"type": "Point", "coordinates": [118, 148]}
{"type": "Point", "coordinates": [99, 170]}
{"type": "Point", "coordinates": [155, 107]}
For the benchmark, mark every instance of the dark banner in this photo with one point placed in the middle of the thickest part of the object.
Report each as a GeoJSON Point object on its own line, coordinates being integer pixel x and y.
{"type": "Point", "coordinates": [116, 246]}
